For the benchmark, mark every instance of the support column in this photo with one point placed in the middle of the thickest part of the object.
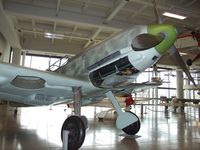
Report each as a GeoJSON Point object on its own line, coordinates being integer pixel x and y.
{"type": "Point", "coordinates": [156, 99]}
{"type": "Point", "coordinates": [4, 49]}
{"type": "Point", "coordinates": [77, 100]}
{"type": "Point", "coordinates": [16, 58]}
{"type": "Point", "coordinates": [179, 87]}
{"type": "Point", "coordinates": [155, 69]}
{"type": "Point", "coordinates": [6, 54]}
{"type": "Point", "coordinates": [23, 58]}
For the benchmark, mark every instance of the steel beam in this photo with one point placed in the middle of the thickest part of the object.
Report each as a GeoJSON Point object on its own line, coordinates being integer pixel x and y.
{"type": "Point", "coordinates": [120, 4]}
{"type": "Point", "coordinates": [48, 14]}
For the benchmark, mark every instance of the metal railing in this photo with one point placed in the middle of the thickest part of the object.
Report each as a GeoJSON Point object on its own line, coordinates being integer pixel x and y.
{"type": "Point", "coordinates": [60, 62]}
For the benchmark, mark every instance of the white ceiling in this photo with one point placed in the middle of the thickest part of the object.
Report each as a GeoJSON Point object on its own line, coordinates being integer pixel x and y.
{"type": "Point", "coordinates": [85, 23]}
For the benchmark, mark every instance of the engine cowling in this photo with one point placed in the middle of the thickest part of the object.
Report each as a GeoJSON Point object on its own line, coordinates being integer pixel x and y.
{"type": "Point", "coordinates": [112, 74]}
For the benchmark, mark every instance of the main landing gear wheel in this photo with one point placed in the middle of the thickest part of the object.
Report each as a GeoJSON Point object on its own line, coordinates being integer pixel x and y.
{"type": "Point", "coordinates": [76, 128]}
{"type": "Point", "coordinates": [133, 128]}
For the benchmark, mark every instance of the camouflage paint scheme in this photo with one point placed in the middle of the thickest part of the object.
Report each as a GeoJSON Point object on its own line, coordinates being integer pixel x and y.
{"type": "Point", "coordinates": [58, 85]}
{"type": "Point", "coordinates": [78, 66]}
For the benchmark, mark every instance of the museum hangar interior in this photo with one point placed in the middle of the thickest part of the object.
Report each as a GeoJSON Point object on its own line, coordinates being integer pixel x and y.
{"type": "Point", "coordinates": [46, 35]}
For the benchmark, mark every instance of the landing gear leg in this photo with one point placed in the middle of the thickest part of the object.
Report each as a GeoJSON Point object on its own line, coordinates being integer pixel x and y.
{"type": "Point", "coordinates": [75, 125]}
{"type": "Point", "coordinates": [15, 111]}
{"type": "Point", "coordinates": [77, 100]}
{"type": "Point", "coordinates": [127, 121]}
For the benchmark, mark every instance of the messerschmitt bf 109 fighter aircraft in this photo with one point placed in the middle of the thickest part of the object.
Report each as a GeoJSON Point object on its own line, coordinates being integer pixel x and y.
{"type": "Point", "coordinates": [105, 70]}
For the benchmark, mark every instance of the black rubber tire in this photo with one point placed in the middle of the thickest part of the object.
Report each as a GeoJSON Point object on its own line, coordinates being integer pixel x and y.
{"type": "Point", "coordinates": [133, 128]}
{"type": "Point", "coordinates": [77, 131]}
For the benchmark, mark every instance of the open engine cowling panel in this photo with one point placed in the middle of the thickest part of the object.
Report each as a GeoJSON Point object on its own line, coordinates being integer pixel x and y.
{"type": "Point", "coordinates": [120, 67]}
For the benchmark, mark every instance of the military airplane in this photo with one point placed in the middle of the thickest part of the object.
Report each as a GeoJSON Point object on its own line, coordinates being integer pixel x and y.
{"type": "Point", "coordinates": [108, 69]}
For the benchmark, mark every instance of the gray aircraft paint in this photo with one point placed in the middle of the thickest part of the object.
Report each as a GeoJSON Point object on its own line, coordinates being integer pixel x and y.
{"type": "Point", "coordinates": [78, 66]}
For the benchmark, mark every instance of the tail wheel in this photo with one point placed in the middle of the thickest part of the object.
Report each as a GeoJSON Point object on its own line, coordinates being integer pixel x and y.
{"type": "Point", "coordinates": [76, 128]}
{"type": "Point", "coordinates": [133, 128]}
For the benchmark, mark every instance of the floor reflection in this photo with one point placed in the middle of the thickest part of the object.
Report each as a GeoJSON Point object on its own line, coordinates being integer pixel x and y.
{"type": "Point", "coordinates": [39, 128]}
{"type": "Point", "coordinates": [28, 130]}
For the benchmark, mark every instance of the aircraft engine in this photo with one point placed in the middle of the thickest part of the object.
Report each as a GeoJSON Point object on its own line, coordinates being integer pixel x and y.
{"type": "Point", "coordinates": [113, 73]}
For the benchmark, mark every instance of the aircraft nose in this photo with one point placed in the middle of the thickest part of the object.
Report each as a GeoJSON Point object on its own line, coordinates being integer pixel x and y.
{"type": "Point", "coordinates": [169, 33]}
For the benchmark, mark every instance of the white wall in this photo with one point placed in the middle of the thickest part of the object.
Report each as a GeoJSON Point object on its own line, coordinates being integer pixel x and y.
{"type": "Point", "coordinates": [4, 49]}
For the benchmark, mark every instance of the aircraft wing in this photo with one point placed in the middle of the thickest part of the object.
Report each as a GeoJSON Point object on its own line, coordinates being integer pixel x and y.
{"type": "Point", "coordinates": [138, 87]}
{"type": "Point", "coordinates": [124, 93]}
{"type": "Point", "coordinates": [33, 87]}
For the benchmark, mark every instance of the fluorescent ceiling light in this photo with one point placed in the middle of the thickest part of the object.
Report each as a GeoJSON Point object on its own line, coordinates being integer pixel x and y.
{"type": "Point", "coordinates": [183, 54]}
{"type": "Point", "coordinates": [174, 15]}
{"type": "Point", "coordinates": [53, 36]}
{"type": "Point", "coordinates": [48, 34]}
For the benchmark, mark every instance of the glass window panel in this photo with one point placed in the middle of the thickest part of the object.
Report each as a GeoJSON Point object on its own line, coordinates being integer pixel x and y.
{"type": "Point", "coordinates": [28, 61]}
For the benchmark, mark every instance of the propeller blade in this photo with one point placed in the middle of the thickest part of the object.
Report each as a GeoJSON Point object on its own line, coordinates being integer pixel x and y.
{"type": "Point", "coordinates": [178, 59]}
{"type": "Point", "coordinates": [173, 51]}
{"type": "Point", "coordinates": [146, 41]}
{"type": "Point", "coordinates": [156, 12]}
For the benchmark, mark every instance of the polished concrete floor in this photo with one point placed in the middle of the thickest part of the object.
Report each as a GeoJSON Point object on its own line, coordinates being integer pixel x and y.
{"type": "Point", "coordinates": [39, 129]}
